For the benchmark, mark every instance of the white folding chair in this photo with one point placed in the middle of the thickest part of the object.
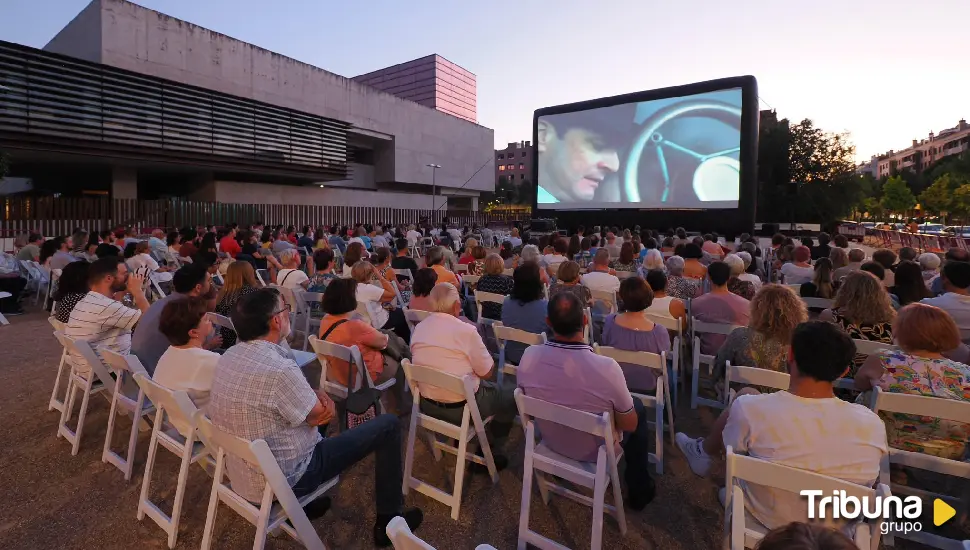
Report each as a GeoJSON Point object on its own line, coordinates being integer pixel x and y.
{"type": "Point", "coordinates": [124, 366]}
{"type": "Point", "coordinates": [405, 273]}
{"type": "Point", "coordinates": [415, 316]}
{"type": "Point", "coordinates": [503, 335]}
{"type": "Point", "coordinates": [818, 303]}
{"type": "Point", "coordinates": [931, 407]}
{"type": "Point", "coordinates": [260, 278]}
{"type": "Point", "coordinates": [397, 294]}
{"type": "Point", "coordinates": [3, 320]}
{"type": "Point", "coordinates": [286, 514]}
{"type": "Point", "coordinates": [310, 324]}
{"type": "Point", "coordinates": [698, 359]}
{"type": "Point", "coordinates": [508, 272]}
{"type": "Point", "coordinates": [490, 297]}
{"type": "Point", "coordinates": [174, 409]}
{"type": "Point", "coordinates": [862, 347]}
{"type": "Point", "coordinates": [328, 350]}
{"type": "Point", "coordinates": [96, 380]}
{"type": "Point", "coordinates": [55, 275]}
{"type": "Point", "coordinates": [55, 402]}
{"type": "Point", "coordinates": [472, 427]}
{"type": "Point", "coordinates": [752, 376]}
{"type": "Point", "coordinates": [541, 460]}
{"type": "Point", "coordinates": [605, 296]}
{"type": "Point", "coordinates": [621, 275]}
{"type": "Point", "coordinates": [744, 531]}
{"type": "Point", "coordinates": [659, 401]}
{"type": "Point", "coordinates": [461, 269]}
{"type": "Point", "coordinates": [676, 351]}
{"type": "Point", "coordinates": [403, 539]}
{"type": "Point", "coordinates": [220, 321]}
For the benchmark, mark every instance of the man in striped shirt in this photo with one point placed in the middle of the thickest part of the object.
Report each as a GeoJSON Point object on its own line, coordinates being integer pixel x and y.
{"type": "Point", "coordinates": [99, 318]}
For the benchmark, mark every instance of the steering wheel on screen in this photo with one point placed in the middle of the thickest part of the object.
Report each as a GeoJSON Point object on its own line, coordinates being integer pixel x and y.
{"type": "Point", "coordinates": [709, 165]}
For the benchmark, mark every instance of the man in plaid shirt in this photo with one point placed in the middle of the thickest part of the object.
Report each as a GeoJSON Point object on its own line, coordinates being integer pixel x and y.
{"type": "Point", "coordinates": [259, 392]}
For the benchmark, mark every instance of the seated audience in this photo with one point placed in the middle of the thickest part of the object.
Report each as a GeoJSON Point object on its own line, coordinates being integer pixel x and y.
{"type": "Point", "coordinates": [435, 260]}
{"type": "Point", "coordinates": [148, 341]}
{"type": "Point", "coordinates": [923, 334]}
{"type": "Point", "coordinates": [764, 342]}
{"type": "Point", "coordinates": [719, 305]}
{"type": "Point", "coordinates": [800, 270]}
{"type": "Point", "coordinates": [355, 252]}
{"type": "Point", "coordinates": [823, 250]}
{"type": "Point", "coordinates": [839, 258]}
{"type": "Point", "coordinates": [841, 241]}
{"type": "Point", "coordinates": [627, 259]}
{"type": "Point", "coordinates": [806, 536]}
{"type": "Point", "coordinates": [750, 267]}
{"type": "Point", "coordinates": [821, 285]}
{"type": "Point", "coordinates": [530, 253]}
{"type": "Point", "coordinates": [100, 318]}
{"type": "Point", "coordinates": [799, 427]}
{"type": "Point", "coordinates": [694, 268]}
{"type": "Point", "coordinates": [240, 280]}
{"type": "Point", "coordinates": [679, 286]}
{"type": "Point", "coordinates": [187, 365]}
{"type": "Point", "coordinates": [863, 310]}
{"type": "Point", "coordinates": [323, 273]}
{"type": "Point", "coordinates": [909, 287]}
{"type": "Point", "coordinates": [952, 255]}
{"type": "Point", "coordinates": [143, 262]}
{"type": "Point", "coordinates": [291, 276]}
{"type": "Point", "coordinates": [373, 290]}
{"type": "Point", "coordinates": [61, 255]}
{"type": "Point", "coordinates": [444, 342]}
{"type": "Point", "coordinates": [477, 264]}
{"type": "Point", "coordinates": [585, 254]}
{"type": "Point", "coordinates": [560, 247]}
{"type": "Point", "coordinates": [633, 331]}
{"type": "Point", "coordinates": [259, 392]}
{"type": "Point", "coordinates": [524, 308]}
{"type": "Point", "coordinates": [929, 264]}
{"type": "Point", "coordinates": [72, 287]}
{"type": "Point", "coordinates": [956, 297]}
{"type": "Point", "coordinates": [496, 282]}
{"type": "Point", "coordinates": [424, 280]}
{"type": "Point", "coordinates": [31, 251]}
{"type": "Point", "coordinates": [886, 258]}
{"type": "Point", "coordinates": [568, 281]}
{"type": "Point", "coordinates": [652, 260]}
{"type": "Point", "coordinates": [711, 247]}
{"type": "Point", "coordinates": [340, 326]}
{"type": "Point", "coordinates": [612, 246]}
{"type": "Point", "coordinates": [908, 254]}
{"type": "Point", "coordinates": [566, 372]}
{"type": "Point", "coordinates": [663, 305]}
{"type": "Point", "coordinates": [599, 276]}
{"type": "Point", "coordinates": [735, 285]}
{"type": "Point", "coordinates": [403, 261]}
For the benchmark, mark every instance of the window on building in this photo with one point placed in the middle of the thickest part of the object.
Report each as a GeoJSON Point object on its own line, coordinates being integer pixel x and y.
{"type": "Point", "coordinates": [521, 166]}
{"type": "Point", "coordinates": [501, 156]}
{"type": "Point", "coordinates": [501, 167]}
{"type": "Point", "coordinates": [511, 167]}
{"type": "Point", "coordinates": [521, 176]}
{"type": "Point", "coordinates": [523, 153]}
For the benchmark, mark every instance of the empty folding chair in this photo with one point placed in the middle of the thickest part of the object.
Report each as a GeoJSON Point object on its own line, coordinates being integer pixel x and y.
{"type": "Point", "coordinates": [279, 507]}
{"type": "Point", "coordinates": [744, 531]}
{"type": "Point", "coordinates": [676, 326]}
{"type": "Point", "coordinates": [124, 367]}
{"type": "Point", "coordinates": [174, 430]}
{"type": "Point", "coordinates": [56, 403]}
{"type": "Point", "coordinates": [698, 359]}
{"type": "Point", "coordinates": [504, 335]}
{"type": "Point", "coordinates": [659, 401]}
{"type": "Point", "coordinates": [88, 376]}
{"type": "Point", "coordinates": [931, 407]}
{"type": "Point", "coordinates": [541, 460]}
{"type": "Point", "coordinates": [752, 376]}
{"type": "Point", "coordinates": [403, 539]}
{"type": "Point", "coordinates": [472, 427]}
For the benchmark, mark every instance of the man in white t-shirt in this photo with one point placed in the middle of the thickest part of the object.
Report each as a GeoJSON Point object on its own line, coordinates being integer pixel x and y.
{"type": "Point", "coordinates": [99, 318]}
{"type": "Point", "coordinates": [806, 427]}
{"type": "Point", "coordinates": [552, 261]}
{"type": "Point", "coordinates": [291, 276]}
{"type": "Point", "coordinates": [413, 236]}
{"type": "Point", "coordinates": [600, 276]}
{"type": "Point", "coordinates": [186, 365]}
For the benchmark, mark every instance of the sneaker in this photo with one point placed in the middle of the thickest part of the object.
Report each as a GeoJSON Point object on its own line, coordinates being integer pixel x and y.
{"type": "Point", "coordinates": [413, 517]}
{"type": "Point", "coordinates": [700, 462]}
{"type": "Point", "coordinates": [317, 508]}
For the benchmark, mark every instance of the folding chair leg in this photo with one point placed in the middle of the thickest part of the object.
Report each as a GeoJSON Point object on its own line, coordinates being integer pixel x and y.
{"type": "Point", "coordinates": [694, 387]}
{"type": "Point", "coordinates": [111, 428]}
{"type": "Point", "coordinates": [80, 418]}
{"type": "Point", "coordinates": [543, 484]}
{"type": "Point", "coordinates": [462, 461]}
{"type": "Point", "coordinates": [527, 472]}
{"type": "Point", "coordinates": [133, 440]}
{"type": "Point", "coordinates": [3, 320]}
{"type": "Point", "coordinates": [149, 466]}
{"type": "Point", "coordinates": [599, 496]}
{"type": "Point", "coordinates": [409, 454]}
{"type": "Point", "coordinates": [68, 410]}
{"type": "Point", "coordinates": [210, 517]}
{"type": "Point", "coordinates": [618, 500]}
{"type": "Point", "coordinates": [56, 403]}
{"type": "Point", "coordinates": [432, 441]}
{"type": "Point", "coordinates": [180, 490]}
{"type": "Point", "coordinates": [659, 438]}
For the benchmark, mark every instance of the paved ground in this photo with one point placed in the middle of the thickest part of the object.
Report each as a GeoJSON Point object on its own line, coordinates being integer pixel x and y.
{"type": "Point", "coordinates": [54, 500]}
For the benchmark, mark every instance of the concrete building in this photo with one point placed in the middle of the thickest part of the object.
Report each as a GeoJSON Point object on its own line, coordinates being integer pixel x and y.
{"type": "Point", "coordinates": [922, 153]}
{"type": "Point", "coordinates": [515, 162]}
{"type": "Point", "coordinates": [432, 81]}
{"type": "Point", "coordinates": [369, 147]}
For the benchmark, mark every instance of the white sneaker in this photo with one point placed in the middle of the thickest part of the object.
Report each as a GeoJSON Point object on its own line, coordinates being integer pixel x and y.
{"type": "Point", "coordinates": [700, 462]}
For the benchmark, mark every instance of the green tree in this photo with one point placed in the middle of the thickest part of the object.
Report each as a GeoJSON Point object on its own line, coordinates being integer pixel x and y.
{"type": "Point", "coordinates": [874, 207]}
{"type": "Point", "coordinates": [897, 196]}
{"type": "Point", "coordinates": [938, 197]}
{"type": "Point", "coordinates": [961, 200]}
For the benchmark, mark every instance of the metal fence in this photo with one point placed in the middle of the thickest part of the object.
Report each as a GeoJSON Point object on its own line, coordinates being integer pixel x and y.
{"type": "Point", "coordinates": [60, 216]}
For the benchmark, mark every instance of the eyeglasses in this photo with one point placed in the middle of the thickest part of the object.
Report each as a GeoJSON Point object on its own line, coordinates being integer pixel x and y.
{"type": "Point", "coordinates": [286, 308]}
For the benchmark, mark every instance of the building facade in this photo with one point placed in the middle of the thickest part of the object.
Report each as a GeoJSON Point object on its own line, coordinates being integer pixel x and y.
{"type": "Point", "coordinates": [922, 153]}
{"type": "Point", "coordinates": [515, 162]}
{"type": "Point", "coordinates": [432, 81]}
{"type": "Point", "coordinates": [249, 125]}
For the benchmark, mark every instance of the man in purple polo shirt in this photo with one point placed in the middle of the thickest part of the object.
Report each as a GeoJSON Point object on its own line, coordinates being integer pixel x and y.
{"type": "Point", "coordinates": [565, 371]}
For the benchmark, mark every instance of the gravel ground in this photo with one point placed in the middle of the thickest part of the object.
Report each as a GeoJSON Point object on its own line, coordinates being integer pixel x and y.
{"type": "Point", "coordinates": [55, 500]}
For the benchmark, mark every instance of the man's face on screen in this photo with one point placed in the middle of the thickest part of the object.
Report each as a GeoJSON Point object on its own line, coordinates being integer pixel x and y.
{"type": "Point", "coordinates": [576, 163]}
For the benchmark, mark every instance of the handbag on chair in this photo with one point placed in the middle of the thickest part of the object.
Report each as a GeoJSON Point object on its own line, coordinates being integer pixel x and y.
{"type": "Point", "coordinates": [363, 404]}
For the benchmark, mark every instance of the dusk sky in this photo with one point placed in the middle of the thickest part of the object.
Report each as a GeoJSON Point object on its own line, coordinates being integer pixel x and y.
{"type": "Point", "coordinates": [887, 71]}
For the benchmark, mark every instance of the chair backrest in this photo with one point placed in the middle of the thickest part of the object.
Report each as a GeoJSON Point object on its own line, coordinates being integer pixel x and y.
{"type": "Point", "coordinates": [491, 297]}
{"type": "Point", "coordinates": [325, 350]}
{"type": "Point", "coordinates": [255, 453]}
{"type": "Point", "coordinates": [625, 274]}
{"type": "Point", "coordinates": [504, 334]}
{"type": "Point", "coordinates": [755, 376]}
{"type": "Point", "coordinates": [419, 374]}
{"type": "Point", "coordinates": [471, 279]}
{"type": "Point", "coordinates": [604, 296]}
{"type": "Point", "coordinates": [642, 358]}
{"type": "Point", "coordinates": [869, 347]}
{"type": "Point", "coordinates": [508, 272]}
{"type": "Point", "coordinates": [86, 352]}
{"type": "Point", "coordinates": [818, 303]}
{"type": "Point", "coordinates": [711, 328]}
{"type": "Point", "coordinates": [123, 363]}
{"type": "Point", "coordinates": [461, 268]}
{"type": "Point", "coordinates": [921, 405]}
{"type": "Point", "coordinates": [405, 273]}
{"type": "Point", "coordinates": [415, 316]}
{"type": "Point", "coordinates": [597, 425]}
{"type": "Point", "coordinates": [59, 326]}
{"type": "Point", "coordinates": [666, 322]}
{"type": "Point", "coordinates": [397, 293]}
{"type": "Point", "coordinates": [177, 404]}
{"type": "Point", "coordinates": [260, 276]}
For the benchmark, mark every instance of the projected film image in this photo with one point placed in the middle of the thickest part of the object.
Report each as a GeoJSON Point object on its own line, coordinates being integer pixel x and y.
{"type": "Point", "coordinates": [679, 152]}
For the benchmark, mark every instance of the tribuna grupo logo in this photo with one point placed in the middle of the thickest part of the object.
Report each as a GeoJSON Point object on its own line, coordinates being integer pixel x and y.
{"type": "Point", "coordinates": [900, 515]}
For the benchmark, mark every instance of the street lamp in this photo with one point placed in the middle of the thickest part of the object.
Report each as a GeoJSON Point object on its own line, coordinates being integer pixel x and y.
{"type": "Point", "coordinates": [434, 170]}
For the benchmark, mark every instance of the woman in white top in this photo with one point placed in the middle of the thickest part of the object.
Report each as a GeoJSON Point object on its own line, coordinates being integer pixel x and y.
{"type": "Point", "coordinates": [800, 271]}
{"type": "Point", "coordinates": [291, 276]}
{"type": "Point", "coordinates": [186, 365]}
{"type": "Point", "coordinates": [354, 254]}
{"type": "Point", "coordinates": [142, 260]}
{"type": "Point", "coordinates": [373, 290]}
{"type": "Point", "coordinates": [663, 305]}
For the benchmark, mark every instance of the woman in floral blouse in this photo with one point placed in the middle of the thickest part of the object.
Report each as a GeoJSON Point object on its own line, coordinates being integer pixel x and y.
{"type": "Point", "coordinates": [923, 333]}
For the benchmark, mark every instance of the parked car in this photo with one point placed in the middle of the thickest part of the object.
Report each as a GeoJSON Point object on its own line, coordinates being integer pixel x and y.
{"type": "Point", "coordinates": [956, 231]}
{"type": "Point", "coordinates": [931, 229]}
